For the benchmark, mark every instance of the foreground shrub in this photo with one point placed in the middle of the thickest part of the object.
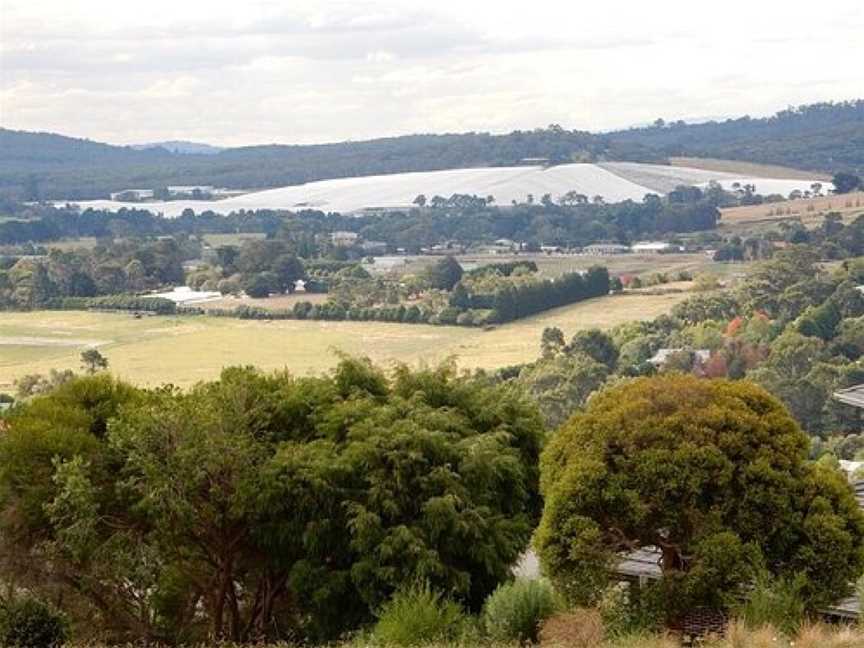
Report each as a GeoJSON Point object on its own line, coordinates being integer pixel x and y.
{"type": "Point", "coordinates": [628, 610]}
{"type": "Point", "coordinates": [581, 628]}
{"type": "Point", "coordinates": [776, 603]}
{"type": "Point", "coordinates": [30, 623]}
{"type": "Point", "coordinates": [418, 615]}
{"type": "Point", "coordinates": [515, 610]}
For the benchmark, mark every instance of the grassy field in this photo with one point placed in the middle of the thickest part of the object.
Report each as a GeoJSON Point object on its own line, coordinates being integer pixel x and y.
{"type": "Point", "coordinates": [184, 350]}
{"type": "Point", "coordinates": [747, 168]}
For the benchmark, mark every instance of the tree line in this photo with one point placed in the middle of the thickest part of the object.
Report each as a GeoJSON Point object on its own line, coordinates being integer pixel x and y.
{"type": "Point", "coordinates": [550, 222]}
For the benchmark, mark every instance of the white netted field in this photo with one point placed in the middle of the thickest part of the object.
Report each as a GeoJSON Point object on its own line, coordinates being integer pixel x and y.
{"type": "Point", "coordinates": [614, 181]}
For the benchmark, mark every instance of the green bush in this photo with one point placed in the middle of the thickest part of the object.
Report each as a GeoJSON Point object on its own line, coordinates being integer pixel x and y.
{"type": "Point", "coordinates": [418, 615]}
{"type": "Point", "coordinates": [514, 611]}
{"type": "Point", "coordinates": [776, 602]}
{"type": "Point", "coordinates": [630, 610]}
{"type": "Point", "coordinates": [30, 623]}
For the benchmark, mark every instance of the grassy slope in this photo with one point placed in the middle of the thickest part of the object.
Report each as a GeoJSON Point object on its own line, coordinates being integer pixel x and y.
{"type": "Point", "coordinates": [184, 350]}
{"type": "Point", "coordinates": [747, 168]}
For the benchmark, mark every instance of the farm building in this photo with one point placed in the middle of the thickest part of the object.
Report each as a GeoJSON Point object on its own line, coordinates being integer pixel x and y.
{"type": "Point", "coordinates": [604, 249]}
{"type": "Point", "coordinates": [653, 247]}
{"type": "Point", "coordinates": [132, 195]}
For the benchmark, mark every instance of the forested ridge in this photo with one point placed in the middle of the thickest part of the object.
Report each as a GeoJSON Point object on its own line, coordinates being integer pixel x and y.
{"type": "Point", "coordinates": [825, 137]}
{"type": "Point", "coordinates": [822, 137]}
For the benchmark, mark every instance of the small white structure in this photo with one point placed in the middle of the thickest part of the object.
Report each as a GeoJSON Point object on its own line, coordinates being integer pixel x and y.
{"type": "Point", "coordinates": [184, 296]}
{"type": "Point", "coordinates": [132, 195]}
{"type": "Point", "coordinates": [662, 356]}
{"type": "Point", "coordinates": [653, 247]}
{"type": "Point", "coordinates": [344, 239]}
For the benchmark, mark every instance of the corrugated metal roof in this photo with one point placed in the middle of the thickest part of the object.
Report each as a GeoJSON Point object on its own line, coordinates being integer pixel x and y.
{"type": "Point", "coordinates": [853, 396]}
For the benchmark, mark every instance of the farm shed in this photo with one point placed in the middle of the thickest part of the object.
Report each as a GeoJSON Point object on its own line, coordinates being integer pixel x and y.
{"type": "Point", "coordinates": [603, 249]}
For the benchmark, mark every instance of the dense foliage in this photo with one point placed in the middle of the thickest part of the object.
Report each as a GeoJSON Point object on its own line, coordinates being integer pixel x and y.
{"type": "Point", "coordinates": [264, 505]}
{"type": "Point", "coordinates": [29, 623]}
{"type": "Point", "coordinates": [712, 473]}
{"type": "Point", "coordinates": [110, 269]}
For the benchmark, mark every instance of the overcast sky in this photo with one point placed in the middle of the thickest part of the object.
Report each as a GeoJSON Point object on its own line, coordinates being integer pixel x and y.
{"type": "Point", "coordinates": [299, 71]}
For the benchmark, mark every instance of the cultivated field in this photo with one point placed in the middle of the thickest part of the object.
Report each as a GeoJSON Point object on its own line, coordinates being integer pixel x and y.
{"type": "Point", "coordinates": [614, 181]}
{"type": "Point", "coordinates": [184, 350]}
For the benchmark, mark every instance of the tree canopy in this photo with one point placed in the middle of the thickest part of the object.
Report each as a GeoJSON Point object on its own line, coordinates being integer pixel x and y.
{"type": "Point", "coordinates": [265, 505]}
{"type": "Point", "coordinates": [713, 474]}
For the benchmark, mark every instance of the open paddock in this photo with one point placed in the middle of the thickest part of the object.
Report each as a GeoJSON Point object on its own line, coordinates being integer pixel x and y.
{"type": "Point", "coordinates": [185, 350]}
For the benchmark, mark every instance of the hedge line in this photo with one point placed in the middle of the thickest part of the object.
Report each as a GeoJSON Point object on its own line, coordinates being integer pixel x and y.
{"type": "Point", "coordinates": [505, 305]}
{"type": "Point", "coordinates": [158, 305]}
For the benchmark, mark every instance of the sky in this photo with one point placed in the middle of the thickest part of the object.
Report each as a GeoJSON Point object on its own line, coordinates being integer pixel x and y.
{"type": "Point", "coordinates": [301, 71]}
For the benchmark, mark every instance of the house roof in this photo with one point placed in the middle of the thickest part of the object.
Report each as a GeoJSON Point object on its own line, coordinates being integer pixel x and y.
{"type": "Point", "coordinates": [853, 396]}
{"type": "Point", "coordinates": [662, 355]}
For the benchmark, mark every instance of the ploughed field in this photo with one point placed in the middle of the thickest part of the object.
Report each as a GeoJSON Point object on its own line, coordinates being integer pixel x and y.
{"type": "Point", "coordinates": [185, 349]}
{"type": "Point", "coordinates": [614, 181]}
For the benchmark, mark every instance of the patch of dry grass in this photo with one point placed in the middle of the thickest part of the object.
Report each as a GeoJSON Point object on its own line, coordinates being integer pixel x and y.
{"type": "Point", "coordinates": [809, 210]}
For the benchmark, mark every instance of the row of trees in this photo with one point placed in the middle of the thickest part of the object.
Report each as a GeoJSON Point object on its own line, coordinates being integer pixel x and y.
{"type": "Point", "coordinates": [512, 299]}
{"type": "Point", "coordinates": [552, 222]}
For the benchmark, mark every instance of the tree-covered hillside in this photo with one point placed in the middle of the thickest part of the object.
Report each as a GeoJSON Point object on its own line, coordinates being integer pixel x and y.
{"type": "Point", "coordinates": [38, 165]}
{"type": "Point", "coordinates": [825, 137]}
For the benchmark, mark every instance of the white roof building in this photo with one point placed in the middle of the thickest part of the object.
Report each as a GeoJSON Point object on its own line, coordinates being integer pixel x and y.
{"type": "Point", "coordinates": [184, 295]}
{"type": "Point", "coordinates": [653, 246]}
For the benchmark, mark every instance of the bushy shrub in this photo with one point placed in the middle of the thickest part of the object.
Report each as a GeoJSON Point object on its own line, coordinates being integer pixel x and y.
{"type": "Point", "coordinates": [515, 610]}
{"type": "Point", "coordinates": [775, 602]}
{"type": "Point", "coordinates": [30, 623]}
{"type": "Point", "coordinates": [418, 615]}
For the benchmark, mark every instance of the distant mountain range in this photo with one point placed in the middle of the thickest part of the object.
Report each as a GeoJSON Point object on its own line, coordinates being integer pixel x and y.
{"type": "Point", "coordinates": [180, 146]}
{"type": "Point", "coordinates": [826, 137]}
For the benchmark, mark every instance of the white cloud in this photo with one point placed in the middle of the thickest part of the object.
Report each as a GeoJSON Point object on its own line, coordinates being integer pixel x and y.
{"type": "Point", "coordinates": [324, 70]}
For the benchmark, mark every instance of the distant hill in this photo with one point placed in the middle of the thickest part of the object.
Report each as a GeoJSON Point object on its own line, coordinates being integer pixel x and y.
{"type": "Point", "coordinates": [824, 137]}
{"type": "Point", "coordinates": [181, 146]}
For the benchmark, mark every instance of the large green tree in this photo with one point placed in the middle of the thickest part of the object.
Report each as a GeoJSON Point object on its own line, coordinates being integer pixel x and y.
{"type": "Point", "coordinates": [714, 475]}
{"type": "Point", "coordinates": [262, 505]}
